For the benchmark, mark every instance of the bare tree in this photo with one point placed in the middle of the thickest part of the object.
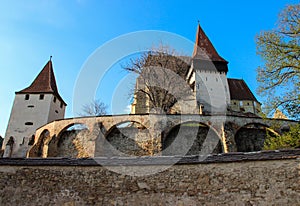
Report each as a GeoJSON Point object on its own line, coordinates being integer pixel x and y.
{"type": "Point", "coordinates": [161, 81]}
{"type": "Point", "coordinates": [94, 108]}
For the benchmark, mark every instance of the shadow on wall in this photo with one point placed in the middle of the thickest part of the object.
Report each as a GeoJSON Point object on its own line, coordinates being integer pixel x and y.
{"type": "Point", "coordinates": [187, 143]}
{"type": "Point", "coordinates": [251, 138]}
{"type": "Point", "coordinates": [125, 139]}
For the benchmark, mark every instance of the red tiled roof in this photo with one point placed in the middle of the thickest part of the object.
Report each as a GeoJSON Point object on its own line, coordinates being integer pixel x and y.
{"type": "Point", "coordinates": [203, 48]}
{"type": "Point", "coordinates": [239, 90]}
{"type": "Point", "coordinates": [44, 83]}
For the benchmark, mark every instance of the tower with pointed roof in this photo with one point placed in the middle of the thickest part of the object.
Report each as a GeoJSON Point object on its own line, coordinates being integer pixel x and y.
{"type": "Point", "coordinates": [34, 106]}
{"type": "Point", "coordinates": [210, 70]}
{"type": "Point", "coordinates": [206, 74]}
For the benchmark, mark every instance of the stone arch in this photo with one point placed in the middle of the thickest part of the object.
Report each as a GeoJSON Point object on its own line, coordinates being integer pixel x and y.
{"type": "Point", "coordinates": [9, 147]}
{"type": "Point", "coordinates": [38, 149]}
{"type": "Point", "coordinates": [230, 129]}
{"type": "Point", "coordinates": [126, 138]}
{"type": "Point", "coordinates": [70, 141]}
{"type": "Point", "coordinates": [121, 123]}
{"type": "Point", "coordinates": [251, 137]}
{"type": "Point", "coordinates": [206, 141]}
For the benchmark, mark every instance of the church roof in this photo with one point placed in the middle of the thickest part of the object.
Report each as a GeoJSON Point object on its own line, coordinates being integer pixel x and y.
{"type": "Point", "coordinates": [203, 48]}
{"type": "Point", "coordinates": [239, 90]}
{"type": "Point", "coordinates": [44, 83]}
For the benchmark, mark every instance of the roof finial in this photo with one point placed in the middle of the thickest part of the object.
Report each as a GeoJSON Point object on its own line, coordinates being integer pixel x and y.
{"type": "Point", "coordinates": [198, 22]}
{"type": "Point", "coordinates": [50, 58]}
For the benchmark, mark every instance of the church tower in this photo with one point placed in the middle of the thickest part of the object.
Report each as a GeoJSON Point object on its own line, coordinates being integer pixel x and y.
{"type": "Point", "coordinates": [212, 91]}
{"type": "Point", "coordinates": [33, 107]}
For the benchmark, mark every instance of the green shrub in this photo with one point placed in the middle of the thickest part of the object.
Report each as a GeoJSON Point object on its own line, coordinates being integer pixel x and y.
{"type": "Point", "coordinates": [288, 140]}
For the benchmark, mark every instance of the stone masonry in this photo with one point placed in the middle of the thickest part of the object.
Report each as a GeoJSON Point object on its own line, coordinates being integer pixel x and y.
{"type": "Point", "coordinates": [267, 178]}
{"type": "Point", "coordinates": [152, 136]}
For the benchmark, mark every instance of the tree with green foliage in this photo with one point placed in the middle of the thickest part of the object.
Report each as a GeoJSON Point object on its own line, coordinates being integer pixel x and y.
{"type": "Point", "coordinates": [289, 140]}
{"type": "Point", "coordinates": [279, 76]}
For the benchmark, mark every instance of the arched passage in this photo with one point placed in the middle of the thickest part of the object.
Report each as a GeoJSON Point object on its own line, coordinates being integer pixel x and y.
{"type": "Point", "coordinates": [190, 138]}
{"type": "Point", "coordinates": [127, 138]}
{"type": "Point", "coordinates": [38, 149]}
{"type": "Point", "coordinates": [70, 142]}
{"type": "Point", "coordinates": [251, 137]}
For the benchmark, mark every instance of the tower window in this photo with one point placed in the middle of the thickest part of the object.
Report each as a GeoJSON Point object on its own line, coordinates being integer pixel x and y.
{"type": "Point", "coordinates": [61, 105]}
{"type": "Point", "coordinates": [30, 106]}
{"type": "Point", "coordinates": [29, 123]}
{"type": "Point", "coordinates": [26, 96]}
{"type": "Point", "coordinates": [42, 96]}
{"type": "Point", "coordinates": [54, 99]}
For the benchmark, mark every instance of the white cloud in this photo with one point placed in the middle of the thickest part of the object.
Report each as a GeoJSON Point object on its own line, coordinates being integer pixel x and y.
{"type": "Point", "coordinates": [127, 110]}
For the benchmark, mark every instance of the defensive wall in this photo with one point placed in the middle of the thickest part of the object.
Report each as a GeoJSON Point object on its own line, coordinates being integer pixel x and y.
{"type": "Point", "coordinates": [152, 133]}
{"type": "Point", "coordinates": [262, 178]}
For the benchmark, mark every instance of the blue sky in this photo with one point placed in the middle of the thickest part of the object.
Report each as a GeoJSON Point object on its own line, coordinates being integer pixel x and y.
{"type": "Point", "coordinates": [72, 30]}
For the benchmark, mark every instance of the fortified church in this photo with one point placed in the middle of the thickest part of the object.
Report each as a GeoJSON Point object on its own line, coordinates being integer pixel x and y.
{"type": "Point", "coordinates": [206, 74]}
{"type": "Point", "coordinates": [41, 104]}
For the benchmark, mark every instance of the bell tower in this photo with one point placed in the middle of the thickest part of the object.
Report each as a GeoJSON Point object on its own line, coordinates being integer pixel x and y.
{"type": "Point", "coordinates": [212, 92]}
{"type": "Point", "coordinates": [34, 106]}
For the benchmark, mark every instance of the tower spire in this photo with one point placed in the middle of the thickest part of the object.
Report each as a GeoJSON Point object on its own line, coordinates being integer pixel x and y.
{"type": "Point", "coordinates": [44, 82]}
{"type": "Point", "coordinates": [203, 48]}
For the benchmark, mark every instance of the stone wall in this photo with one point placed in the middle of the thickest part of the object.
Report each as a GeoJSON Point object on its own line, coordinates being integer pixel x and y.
{"type": "Point", "coordinates": [191, 140]}
{"type": "Point", "coordinates": [187, 139]}
{"type": "Point", "coordinates": [228, 179]}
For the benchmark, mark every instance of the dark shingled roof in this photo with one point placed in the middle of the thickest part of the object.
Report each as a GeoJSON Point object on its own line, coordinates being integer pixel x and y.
{"type": "Point", "coordinates": [203, 48]}
{"type": "Point", "coordinates": [44, 83]}
{"type": "Point", "coordinates": [239, 90]}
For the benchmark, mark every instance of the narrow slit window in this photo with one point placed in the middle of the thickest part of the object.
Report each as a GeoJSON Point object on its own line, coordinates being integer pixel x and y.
{"type": "Point", "coordinates": [54, 99]}
{"type": "Point", "coordinates": [42, 96]}
{"type": "Point", "coordinates": [26, 96]}
{"type": "Point", "coordinates": [28, 123]}
{"type": "Point", "coordinates": [61, 105]}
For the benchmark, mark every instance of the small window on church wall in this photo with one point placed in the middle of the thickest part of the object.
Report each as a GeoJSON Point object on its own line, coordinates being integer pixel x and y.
{"type": "Point", "coordinates": [54, 99]}
{"type": "Point", "coordinates": [26, 96]}
{"type": "Point", "coordinates": [61, 105]}
{"type": "Point", "coordinates": [28, 123]}
{"type": "Point", "coordinates": [42, 96]}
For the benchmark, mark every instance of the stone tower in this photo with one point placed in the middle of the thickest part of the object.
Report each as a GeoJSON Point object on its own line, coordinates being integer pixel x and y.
{"type": "Point", "coordinates": [34, 106]}
{"type": "Point", "coordinates": [212, 91]}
